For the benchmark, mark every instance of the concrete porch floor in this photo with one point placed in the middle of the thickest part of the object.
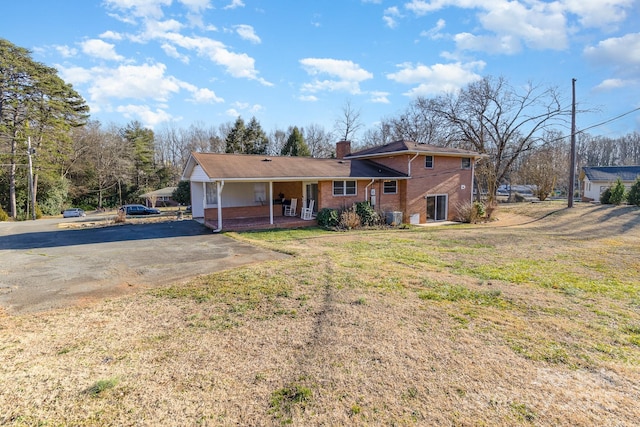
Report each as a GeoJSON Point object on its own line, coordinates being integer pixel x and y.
{"type": "Point", "coordinates": [261, 223]}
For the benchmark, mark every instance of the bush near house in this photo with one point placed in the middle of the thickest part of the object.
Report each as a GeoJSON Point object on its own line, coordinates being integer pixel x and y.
{"type": "Point", "coordinates": [471, 212]}
{"type": "Point", "coordinates": [633, 196]}
{"type": "Point", "coordinates": [614, 195]}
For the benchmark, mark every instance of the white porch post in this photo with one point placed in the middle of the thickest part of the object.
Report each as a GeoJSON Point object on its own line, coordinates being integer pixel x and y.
{"type": "Point", "coordinates": [219, 185]}
{"type": "Point", "coordinates": [204, 200]}
{"type": "Point", "coordinates": [271, 202]}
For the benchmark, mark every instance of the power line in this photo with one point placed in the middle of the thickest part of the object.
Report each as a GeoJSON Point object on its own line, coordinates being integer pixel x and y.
{"type": "Point", "coordinates": [609, 120]}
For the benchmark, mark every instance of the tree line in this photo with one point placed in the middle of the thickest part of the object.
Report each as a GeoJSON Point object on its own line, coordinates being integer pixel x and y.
{"type": "Point", "coordinates": [82, 162]}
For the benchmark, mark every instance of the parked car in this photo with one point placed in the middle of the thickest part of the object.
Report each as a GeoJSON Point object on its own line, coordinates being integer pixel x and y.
{"type": "Point", "coordinates": [73, 212]}
{"type": "Point", "coordinates": [139, 210]}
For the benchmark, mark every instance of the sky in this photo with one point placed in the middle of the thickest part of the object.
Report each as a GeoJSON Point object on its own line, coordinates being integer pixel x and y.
{"type": "Point", "coordinates": [300, 62]}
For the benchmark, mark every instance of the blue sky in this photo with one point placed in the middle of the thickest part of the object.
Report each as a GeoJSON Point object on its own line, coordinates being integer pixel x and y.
{"type": "Point", "coordinates": [299, 62]}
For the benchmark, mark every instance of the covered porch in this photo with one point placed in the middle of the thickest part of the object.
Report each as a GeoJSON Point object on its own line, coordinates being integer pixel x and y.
{"type": "Point", "coordinates": [260, 223]}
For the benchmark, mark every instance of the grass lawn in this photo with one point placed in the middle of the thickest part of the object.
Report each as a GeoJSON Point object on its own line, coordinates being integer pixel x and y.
{"type": "Point", "coordinates": [533, 319]}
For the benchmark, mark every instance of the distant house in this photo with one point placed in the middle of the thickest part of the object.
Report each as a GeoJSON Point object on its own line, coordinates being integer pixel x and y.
{"type": "Point", "coordinates": [161, 197]}
{"type": "Point", "coordinates": [421, 182]}
{"type": "Point", "coordinates": [596, 179]}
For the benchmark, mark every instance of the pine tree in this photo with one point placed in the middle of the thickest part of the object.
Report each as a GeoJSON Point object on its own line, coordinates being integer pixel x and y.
{"type": "Point", "coordinates": [295, 145]}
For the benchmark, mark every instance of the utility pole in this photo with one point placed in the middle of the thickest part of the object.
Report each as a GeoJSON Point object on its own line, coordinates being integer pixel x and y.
{"type": "Point", "coordinates": [31, 151]}
{"type": "Point", "coordinates": [572, 171]}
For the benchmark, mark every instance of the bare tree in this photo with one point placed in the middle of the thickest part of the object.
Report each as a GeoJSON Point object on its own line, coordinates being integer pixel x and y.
{"type": "Point", "coordinates": [349, 123]}
{"type": "Point", "coordinates": [493, 118]}
{"type": "Point", "coordinates": [545, 166]}
{"type": "Point", "coordinates": [319, 141]}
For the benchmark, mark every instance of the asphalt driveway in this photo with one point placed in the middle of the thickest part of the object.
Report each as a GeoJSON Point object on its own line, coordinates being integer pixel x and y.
{"type": "Point", "coordinates": [44, 266]}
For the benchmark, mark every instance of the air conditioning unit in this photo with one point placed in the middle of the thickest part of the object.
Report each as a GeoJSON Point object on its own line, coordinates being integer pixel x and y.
{"type": "Point", "coordinates": [394, 218]}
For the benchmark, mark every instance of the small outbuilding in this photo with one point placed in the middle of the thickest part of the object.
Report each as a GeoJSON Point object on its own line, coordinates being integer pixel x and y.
{"type": "Point", "coordinates": [596, 179]}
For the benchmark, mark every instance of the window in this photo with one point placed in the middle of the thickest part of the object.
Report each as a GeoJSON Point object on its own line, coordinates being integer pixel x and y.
{"type": "Point", "coordinates": [212, 194]}
{"type": "Point", "coordinates": [466, 163]}
{"type": "Point", "coordinates": [260, 192]}
{"type": "Point", "coordinates": [344, 188]}
{"type": "Point", "coordinates": [428, 162]}
{"type": "Point", "coordinates": [390, 187]}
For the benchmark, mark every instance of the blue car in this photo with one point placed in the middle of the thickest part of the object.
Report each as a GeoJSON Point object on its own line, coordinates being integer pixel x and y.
{"type": "Point", "coordinates": [139, 210]}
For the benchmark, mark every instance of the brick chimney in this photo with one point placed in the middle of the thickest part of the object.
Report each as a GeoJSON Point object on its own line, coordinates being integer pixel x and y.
{"type": "Point", "coordinates": [343, 149]}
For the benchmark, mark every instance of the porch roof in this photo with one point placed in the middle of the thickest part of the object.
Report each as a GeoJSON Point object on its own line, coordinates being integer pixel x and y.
{"type": "Point", "coordinates": [246, 167]}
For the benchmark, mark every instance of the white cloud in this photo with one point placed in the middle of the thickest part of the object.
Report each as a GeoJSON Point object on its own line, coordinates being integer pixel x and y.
{"type": "Point", "coordinates": [66, 51]}
{"type": "Point", "coordinates": [145, 114]}
{"type": "Point", "coordinates": [434, 33]}
{"type": "Point", "coordinates": [347, 74]}
{"type": "Point", "coordinates": [438, 78]}
{"type": "Point", "coordinates": [238, 65]}
{"type": "Point", "coordinates": [205, 96]}
{"type": "Point", "coordinates": [197, 5]}
{"type": "Point", "coordinates": [171, 51]}
{"type": "Point", "coordinates": [600, 13]}
{"type": "Point", "coordinates": [247, 33]}
{"type": "Point", "coordinates": [100, 49]}
{"type": "Point", "coordinates": [619, 51]}
{"type": "Point", "coordinates": [139, 8]}
{"type": "Point", "coordinates": [75, 75]}
{"type": "Point", "coordinates": [232, 112]}
{"type": "Point", "coordinates": [308, 98]}
{"type": "Point", "coordinates": [111, 35]}
{"type": "Point", "coordinates": [390, 15]}
{"type": "Point", "coordinates": [146, 81]}
{"type": "Point", "coordinates": [611, 84]}
{"type": "Point", "coordinates": [379, 97]}
{"type": "Point", "coordinates": [234, 4]}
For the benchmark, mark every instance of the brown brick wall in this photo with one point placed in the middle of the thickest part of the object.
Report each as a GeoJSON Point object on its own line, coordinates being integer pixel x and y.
{"type": "Point", "coordinates": [446, 177]}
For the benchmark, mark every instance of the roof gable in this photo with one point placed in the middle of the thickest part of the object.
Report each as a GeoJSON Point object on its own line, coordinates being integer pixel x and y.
{"type": "Point", "coordinates": [611, 173]}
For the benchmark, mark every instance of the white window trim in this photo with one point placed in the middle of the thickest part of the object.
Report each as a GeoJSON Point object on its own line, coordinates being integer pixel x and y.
{"type": "Point", "coordinates": [396, 186]}
{"type": "Point", "coordinates": [433, 161]}
{"type": "Point", "coordinates": [344, 188]}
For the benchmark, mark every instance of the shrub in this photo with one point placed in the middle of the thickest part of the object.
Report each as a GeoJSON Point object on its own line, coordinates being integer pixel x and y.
{"type": "Point", "coordinates": [328, 217]}
{"type": "Point", "coordinates": [368, 216]}
{"type": "Point", "coordinates": [349, 219]}
{"type": "Point", "coordinates": [605, 197]}
{"type": "Point", "coordinates": [617, 193]}
{"type": "Point", "coordinates": [634, 193]}
{"type": "Point", "coordinates": [121, 217]}
{"type": "Point", "coordinates": [471, 212]}
{"type": "Point", "coordinates": [3, 215]}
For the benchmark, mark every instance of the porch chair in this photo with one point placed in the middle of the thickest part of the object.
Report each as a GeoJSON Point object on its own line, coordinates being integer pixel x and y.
{"type": "Point", "coordinates": [290, 210]}
{"type": "Point", "coordinates": [307, 213]}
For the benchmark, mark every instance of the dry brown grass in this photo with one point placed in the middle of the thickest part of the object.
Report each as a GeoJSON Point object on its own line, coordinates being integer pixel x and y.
{"type": "Point", "coordinates": [531, 320]}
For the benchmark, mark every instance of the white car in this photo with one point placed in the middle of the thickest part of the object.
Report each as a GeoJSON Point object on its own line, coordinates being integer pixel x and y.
{"type": "Point", "coordinates": [73, 212]}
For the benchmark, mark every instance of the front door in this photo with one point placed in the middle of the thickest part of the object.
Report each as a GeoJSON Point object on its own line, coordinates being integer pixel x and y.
{"type": "Point", "coordinates": [312, 194]}
{"type": "Point", "coordinates": [437, 208]}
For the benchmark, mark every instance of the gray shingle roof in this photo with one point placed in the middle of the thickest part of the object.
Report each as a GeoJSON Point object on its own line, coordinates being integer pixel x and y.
{"type": "Point", "coordinates": [413, 147]}
{"type": "Point", "coordinates": [611, 173]}
{"type": "Point", "coordinates": [260, 167]}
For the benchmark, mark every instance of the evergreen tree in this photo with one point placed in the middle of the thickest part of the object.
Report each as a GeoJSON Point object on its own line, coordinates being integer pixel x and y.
{"type": "Point", "coordinates": [38, 106]}
{"type": "Point", "coordinates": [141, 145]}
{"type": "Point", "coordinates": [235, 138]}
{"type": "Point", "coordinates": [617, 193]}
{"type": "Point", "coordinates": [295, 145]}
{"type": "Point", "coordinates": [256, 141]}
{"type": "Point", "coordinates": [634, 193]}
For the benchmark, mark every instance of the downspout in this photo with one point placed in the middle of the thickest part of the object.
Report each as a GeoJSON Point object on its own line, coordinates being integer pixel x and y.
{"type": "Point", "coordinates": [409, 165]}
{"type": "Point", "coordinates": [366, 190]}
{"type": "Point", "coordinates": [219, 187]}
{"type": "Point", "coordinates": [473, 176]}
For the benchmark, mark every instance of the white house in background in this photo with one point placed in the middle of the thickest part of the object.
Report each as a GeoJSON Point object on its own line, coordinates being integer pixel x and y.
{"type": "Point", "coordinates": [596, 179]}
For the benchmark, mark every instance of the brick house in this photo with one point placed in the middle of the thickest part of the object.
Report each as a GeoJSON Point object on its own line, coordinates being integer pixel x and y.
{"type": "Point", "coordinates": [423, 182]}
